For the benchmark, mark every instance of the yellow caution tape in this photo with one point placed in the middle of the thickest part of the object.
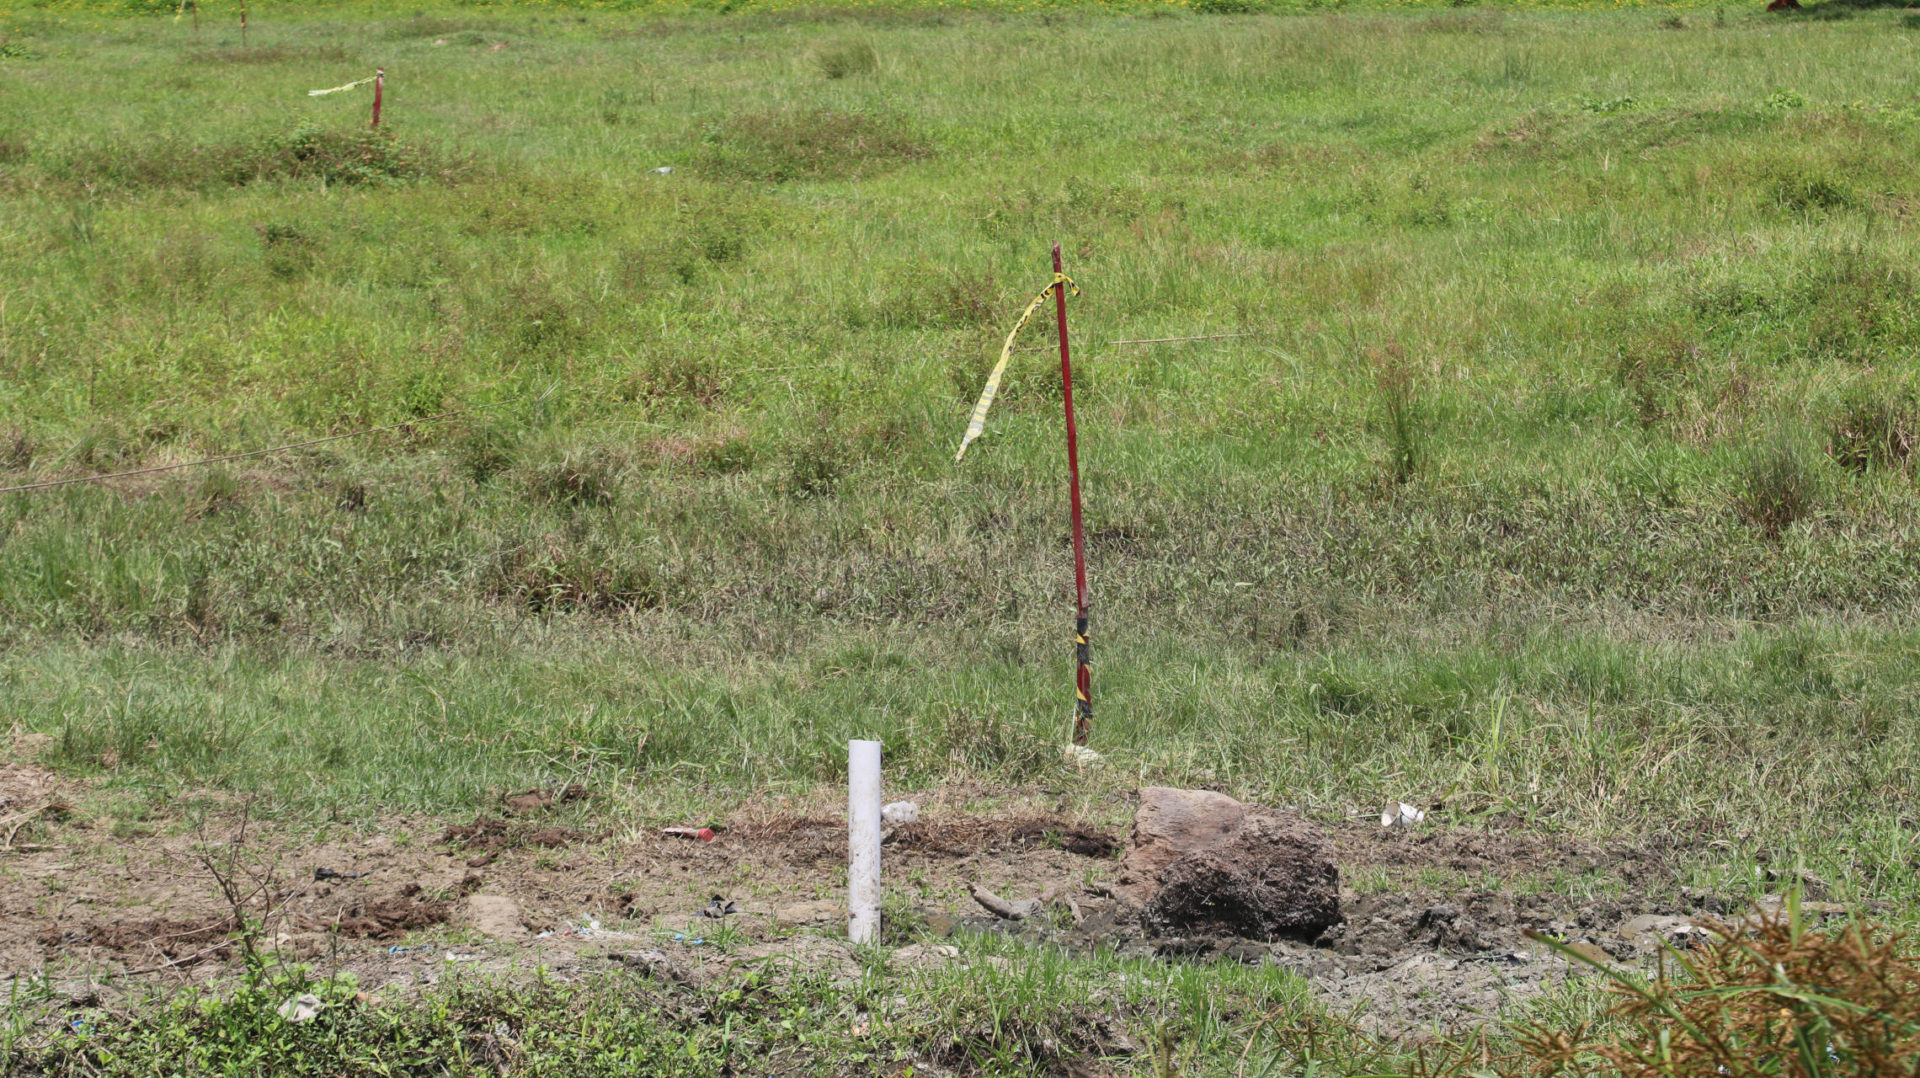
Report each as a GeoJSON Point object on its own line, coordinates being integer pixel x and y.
{"type": "Point", "coordinates": [979, 421]}
{"type": "Point", "coordinates": [337, 89]}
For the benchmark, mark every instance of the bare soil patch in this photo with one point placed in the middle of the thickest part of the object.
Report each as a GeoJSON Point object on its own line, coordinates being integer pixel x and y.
{"type": "Point", "coordinates": [388, 900]}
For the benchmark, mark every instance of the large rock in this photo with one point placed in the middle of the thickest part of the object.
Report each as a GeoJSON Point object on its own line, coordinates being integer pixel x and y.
{"type": "Point", "coordinates": [1205, 864]}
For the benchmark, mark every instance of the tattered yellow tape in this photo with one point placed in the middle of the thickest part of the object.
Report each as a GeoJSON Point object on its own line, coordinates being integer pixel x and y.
{"type": "Point", "coordinates": [337, 89]}
{"type": "Point", "coordinates": [979, 421]}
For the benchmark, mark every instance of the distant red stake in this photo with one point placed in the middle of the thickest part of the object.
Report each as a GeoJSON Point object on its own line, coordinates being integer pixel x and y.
{"type": "Point", "coordinates": [379, 83]}
{"type": "Point", "coordinates": [1082, 644]}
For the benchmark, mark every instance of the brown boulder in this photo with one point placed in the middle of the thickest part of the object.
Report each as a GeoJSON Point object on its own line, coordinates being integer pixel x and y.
{"type": "Point", "coordinates": [1169, 824]}
{"type": "Point", "coordinates": [1203, 863]}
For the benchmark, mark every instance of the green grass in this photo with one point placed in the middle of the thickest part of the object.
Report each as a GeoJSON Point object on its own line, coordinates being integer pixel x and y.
{"type": "Point", "coordinates": [1561, 472]}
{"type": "Point", "coordinates": [1005, 1008]}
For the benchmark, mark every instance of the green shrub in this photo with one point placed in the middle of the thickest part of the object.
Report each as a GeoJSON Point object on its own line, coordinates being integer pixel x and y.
{"type": "Point", "coordinates": [290, 252]}
{"type": "Point", "coordinates": [1859, 306]}
{"type": "Point", "coordinates": [1651, 367]}
{"type": "Point", "coordinates": [726, 455]}
{"type": "Point", "coordinates": [309, 151]}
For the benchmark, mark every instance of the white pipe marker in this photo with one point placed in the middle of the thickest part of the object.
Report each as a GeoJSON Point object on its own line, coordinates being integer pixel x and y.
{"type": "Point", "coordinates": [863, 841]}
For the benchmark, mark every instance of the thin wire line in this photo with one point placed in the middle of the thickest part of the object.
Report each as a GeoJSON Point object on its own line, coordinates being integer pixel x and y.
{"type": "Point", "coordinates": [1170, 340]}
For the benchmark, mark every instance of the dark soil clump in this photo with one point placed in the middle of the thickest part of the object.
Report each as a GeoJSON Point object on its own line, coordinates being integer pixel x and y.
{"type": "Point", "coordinates": [391, 918]}
{"type": "Point", "coordinates": [1274, 878]}
{"type": "Point", "coordinates": [167, 937]}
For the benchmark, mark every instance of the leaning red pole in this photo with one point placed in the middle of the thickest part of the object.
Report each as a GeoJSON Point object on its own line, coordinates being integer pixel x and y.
{"type": "Point", "coordinates": [379, 84]}
{"type": "Point", "coordinates": [1082, 644]}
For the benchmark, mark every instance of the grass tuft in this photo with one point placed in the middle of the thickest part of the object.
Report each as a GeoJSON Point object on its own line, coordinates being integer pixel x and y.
{"type": "Point", "coordinates": [846, 59]}
{"type": "Point", "coordinates": [1775, 996]}
{"type": "Point", "coordinates": [1403, 420]}
{"type": "Point", "coordinates": [302, 152]}
{"type": "Point", "coordinates": [1873, 428]}
{"type": "Point", "coordinates": [268, 54]}
{"type": "Point", "coordinates": [589, 478]}
{"type": "Point", "coordinates": [1776, 486]}
{"type": "Point", "coordinates": [16, 450]}
{"type": "Point", "coordinates": [1805, 191]}
{"type": "Point", "coordinates": [484, 450]}
{"type": "Point", "coordinates": [819, 144]}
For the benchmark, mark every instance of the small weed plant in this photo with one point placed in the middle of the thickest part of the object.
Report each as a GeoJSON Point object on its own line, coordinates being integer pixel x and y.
{"type": "Point", "coordinates": [1401, 420]}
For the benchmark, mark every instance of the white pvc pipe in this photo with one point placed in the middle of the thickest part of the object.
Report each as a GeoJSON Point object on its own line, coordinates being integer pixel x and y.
{"type": "Point", "coordinates": [863, 841]}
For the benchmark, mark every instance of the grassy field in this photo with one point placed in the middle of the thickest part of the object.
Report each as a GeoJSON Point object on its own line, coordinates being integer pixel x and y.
{"type": "Point", "coordinates": [1558, 472]}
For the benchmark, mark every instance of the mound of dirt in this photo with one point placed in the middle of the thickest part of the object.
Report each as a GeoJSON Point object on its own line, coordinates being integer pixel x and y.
{"type": "Point", "coordinates": [392, 918]}
{"type": "Point", "coordinates": [485, 833]}
{"type": "Point", "coordinates": [489, 833]}
{"type": "Point", "coordinates": [1073, 838]}
{"type": "Point", "coordinates": [805, 841]}
{"type": "Point", "coordinates": [158, 935]}
{"type": "Point", "coordinates": [1205, 864]}
{"type": "Point", "coordinates": [536, 799]}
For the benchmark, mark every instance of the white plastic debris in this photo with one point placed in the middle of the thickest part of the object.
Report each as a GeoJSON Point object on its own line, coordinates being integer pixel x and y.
{"type": "Point", "coordinates": [663, 170]}
{"type": "Point", "coordinates": [1082, 755]}
{"type": "Point", "coordinates": [301, 1008]}
{"type": "Point", "coordinates": [896, 813]}
{"type": "Point", "coordinates": [1401, 814]}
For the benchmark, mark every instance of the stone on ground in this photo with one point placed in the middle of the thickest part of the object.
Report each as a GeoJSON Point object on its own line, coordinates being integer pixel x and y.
{"type": "Point", "coordinates": [1204, 864]}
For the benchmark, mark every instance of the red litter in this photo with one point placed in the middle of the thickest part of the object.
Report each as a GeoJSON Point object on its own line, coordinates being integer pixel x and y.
{"type": "Point", "coordinates": [704, 834]}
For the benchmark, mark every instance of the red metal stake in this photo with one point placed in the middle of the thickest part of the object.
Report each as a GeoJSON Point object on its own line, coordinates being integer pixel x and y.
{"type": "Point", "coordinates": [379, 83]}
{"type": "Point", "coordinates": [1082, 644]}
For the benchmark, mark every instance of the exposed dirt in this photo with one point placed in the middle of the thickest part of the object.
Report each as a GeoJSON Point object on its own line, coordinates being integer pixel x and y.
{"type": "Point", "coordinates": [809, 840]}
{"type": "Point", "coordinates": [1272, 880]}
{"type": "Point", "coordinates": [491, 833]}
{"type": "Point", "coordinates": [390, 919]}
{"type": "Point", "coordinates": [530, 801]}
{"type": "Point", "coordinates": [77, 901]}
